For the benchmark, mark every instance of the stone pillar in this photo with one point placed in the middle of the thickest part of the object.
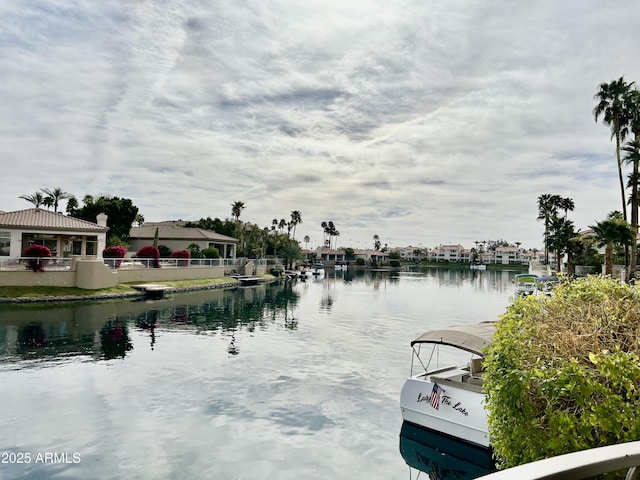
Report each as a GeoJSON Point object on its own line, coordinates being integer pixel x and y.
{"type": "Point", "coordinates": [101, 219]}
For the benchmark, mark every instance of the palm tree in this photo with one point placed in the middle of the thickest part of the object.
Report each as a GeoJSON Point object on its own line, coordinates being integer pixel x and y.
{"type": "Point", "coordinates": [612, 231]}
{"type": "Point", "coordinates": [72, 205]}
{"type": "Point", "coordinates": [54, 196]}
{"type": "Point", "coordinates": [296, 219]}
{"type": "Point", "coordinates": [37, 199]}
{"type": "Point", "coordinates": [561, 231]}
{"type": "Point", "coordinates": [611, 106]}
{"type": "Point", "coordinates": [567, 205]}
{"type": "Point", "coordinates": [376, 242]}
{"type": "Point", "coordinates": [306, 241]}
{"type": "Point", "coordinates": [236, 211]}
{"type": "Point", "coordinates": [547, 209]}
{"type": "Point", "coordinates": [632, 157]}
{"type": "Point", "coordinates": [325, 228]}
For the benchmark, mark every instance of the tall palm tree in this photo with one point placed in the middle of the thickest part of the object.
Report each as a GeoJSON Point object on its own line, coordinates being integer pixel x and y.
{"type": "Point", "coordinates": [567, 205]}
{"type": "Point", "coordinates": [37, 199]}
{"type": "Point", "coordinates": [561, 231]}
{"type": "Point", "coordinates": [306, 241]}
{"type": "Point", "coordinates": [72, 205]}
{"type": "Point", "coordinates": [612, 231]}
{"type": "Point", "coordinates": [325, 228]}
{"type": "Point", "coordinates": [547, 210]}
{"type": "Point", "coordinates": [376, 242]}
{"type": "Point", "coordinates": [54, 196]}
{"type": "Point", "coordinates": [236, 211]}
{"type": "Point", "coordinates": [296, 219]}
{"type": "Point", "coordinates": [632, 156]}
{"type": "Point", "coordinates": [611, 106]}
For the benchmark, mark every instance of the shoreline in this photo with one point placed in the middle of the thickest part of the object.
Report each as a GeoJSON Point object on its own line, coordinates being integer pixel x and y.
{"type": "Point", "coordinates": [116, 296]}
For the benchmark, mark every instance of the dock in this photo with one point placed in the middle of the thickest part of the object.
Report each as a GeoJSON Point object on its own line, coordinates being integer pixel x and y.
{"type": "Point", "coordinates": [151, 290]}
{"type": "Point", "coordinates": [246, 280]}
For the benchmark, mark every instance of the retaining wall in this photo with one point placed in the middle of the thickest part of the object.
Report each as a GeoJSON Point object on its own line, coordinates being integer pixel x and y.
{"type": "Point", "coordinates": [94, 274]}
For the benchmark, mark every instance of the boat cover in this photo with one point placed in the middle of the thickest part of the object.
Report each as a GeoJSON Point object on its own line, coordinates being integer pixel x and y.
{"type": "Point", "coordinates": [473, 338]}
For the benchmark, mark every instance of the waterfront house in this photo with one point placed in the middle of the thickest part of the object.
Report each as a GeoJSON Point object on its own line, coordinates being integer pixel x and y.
{"type": "Point", "coordinates": [175, 236]}
{"type": "Point", "coordinates": [63, 235]}
{"type": "Point", "coordinates": [446, 253]}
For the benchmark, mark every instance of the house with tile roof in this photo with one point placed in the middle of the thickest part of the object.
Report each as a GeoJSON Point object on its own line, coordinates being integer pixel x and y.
{"type": "Point", "coordinates": [62, 234]}
{"type": "Point", "coordinates": [173, 235]}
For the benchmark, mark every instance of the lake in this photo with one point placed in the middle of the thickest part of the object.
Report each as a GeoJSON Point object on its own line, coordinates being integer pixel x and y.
{"type": "Point", "coordinates": [281, 381]}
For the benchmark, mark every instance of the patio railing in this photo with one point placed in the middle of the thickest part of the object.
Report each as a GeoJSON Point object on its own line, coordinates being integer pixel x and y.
{"type": "Point", "coordinates": [64, 263]}
{"type": "Point", "coordinates": [24, 263]}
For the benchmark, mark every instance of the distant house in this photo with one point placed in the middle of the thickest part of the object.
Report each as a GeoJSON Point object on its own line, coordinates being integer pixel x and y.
{"type": "Point", "coordinates": [447, 253]}
{"type": "Point", "coordinates": [375, 256]}
{"type": "Point", "coordinates": [62, 234]}
{"type": "Point", "coordinates": [173, 235]}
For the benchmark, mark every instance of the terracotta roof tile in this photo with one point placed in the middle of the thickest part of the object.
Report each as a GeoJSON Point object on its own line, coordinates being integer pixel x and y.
{"type": "Point", "coordinates": [173, 231]}
{"type": "Point", "coordinates": [46, 220]}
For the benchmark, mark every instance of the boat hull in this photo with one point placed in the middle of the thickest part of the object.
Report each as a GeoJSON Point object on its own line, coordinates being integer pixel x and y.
{"type": "Point", "coordinates": [460, 411]}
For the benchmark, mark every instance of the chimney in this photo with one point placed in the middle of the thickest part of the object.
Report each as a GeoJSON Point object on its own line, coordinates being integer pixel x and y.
{"type": "Point", "coordinates": [101, 219]}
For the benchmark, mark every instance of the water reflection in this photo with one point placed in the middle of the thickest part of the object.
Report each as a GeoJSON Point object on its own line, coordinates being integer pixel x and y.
{"type": "Point", "coordinates": [100, 331]}
{"type": "Point", "coordinates": [278, 381]}
{"type": "Point", "coordinates": [442, 457]}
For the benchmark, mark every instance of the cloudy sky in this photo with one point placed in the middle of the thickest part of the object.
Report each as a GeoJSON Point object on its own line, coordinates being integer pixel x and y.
{"type": "Point", "coordinates": [425, 122]}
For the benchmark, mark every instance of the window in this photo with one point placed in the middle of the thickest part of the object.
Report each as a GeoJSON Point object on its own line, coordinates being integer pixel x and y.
{"type": "Point", "coordinates": [5, 243]}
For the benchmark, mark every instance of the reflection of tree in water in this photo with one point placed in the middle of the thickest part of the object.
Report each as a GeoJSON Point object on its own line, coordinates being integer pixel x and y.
{"type": "Point", "coordinates": [114, 339]}
{"type": "Point", "coordinates": [148, 321]}
{"type": "Point", "coordinates": [239, 309]}
{"type": "Point", "coordinates": [32, 336]}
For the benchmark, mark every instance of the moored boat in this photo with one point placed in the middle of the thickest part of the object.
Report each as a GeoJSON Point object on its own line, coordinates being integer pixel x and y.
{"type": "Point", "coordinates": [526, 284]}
{"type": "Point", "coordinates": [449, 400]}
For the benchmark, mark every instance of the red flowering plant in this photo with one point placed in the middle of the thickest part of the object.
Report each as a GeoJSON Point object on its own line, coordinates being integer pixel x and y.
{"type": "Point", "coordinates": [115, 251]}
{"type": "Point", "coordinates": [183, 255]}
{"type": "Point", "coordinates": [38, 256]}
{"type": "Point", "coordinates": [150, 252]}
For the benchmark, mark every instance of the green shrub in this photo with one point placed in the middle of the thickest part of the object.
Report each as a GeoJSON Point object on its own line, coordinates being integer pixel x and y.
{"type": "Point", "coordinates": [165, 252]}
{"type": "Point", "coordinates": [211, 252]}
{"type": "Point", "coordinates": [563, 372]}
{"type": "Point", "coordinates": [194, 248]}
{"type": "Point", "coordinates": [360, 261]}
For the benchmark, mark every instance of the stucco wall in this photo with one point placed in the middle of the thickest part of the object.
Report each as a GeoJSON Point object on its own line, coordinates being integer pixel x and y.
{"type": "Point", "coordinates": [94, 274]}
{"type": "Point", "coordinates": [28, 278]}
{"type": "Point", "coordinates": [168, 274]}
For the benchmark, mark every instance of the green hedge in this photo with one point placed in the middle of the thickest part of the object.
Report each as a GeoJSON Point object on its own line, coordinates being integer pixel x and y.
{"type": "Point", "coordinates": [563, 372]}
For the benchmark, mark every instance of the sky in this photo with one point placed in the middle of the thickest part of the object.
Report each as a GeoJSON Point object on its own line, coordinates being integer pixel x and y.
{"type": "Point", "coordinates": [423, 122]}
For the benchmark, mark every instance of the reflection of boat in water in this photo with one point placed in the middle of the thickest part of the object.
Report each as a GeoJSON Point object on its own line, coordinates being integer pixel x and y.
{"type": "Point", "coordinates": [449, 400]}
{"type": "Point", "coordinates": [442, 456]}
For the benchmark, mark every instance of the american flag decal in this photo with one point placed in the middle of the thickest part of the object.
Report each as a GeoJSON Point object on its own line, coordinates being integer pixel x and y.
{"type": "Point", "coordinates": [434, 399]}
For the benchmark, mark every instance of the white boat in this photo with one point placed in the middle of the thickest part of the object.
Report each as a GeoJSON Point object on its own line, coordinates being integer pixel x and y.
{"type": "Point", "coordinates": [477, 266]}
{"type": "Point", "coordinates": [317, 269]}
{"type": "Point", "coordinates": [526, 284]}
{"type": "Point", "coordinates": [449, 400]}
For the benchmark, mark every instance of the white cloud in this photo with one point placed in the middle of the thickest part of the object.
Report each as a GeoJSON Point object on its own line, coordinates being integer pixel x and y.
{"type": "Point", "coordinates": [422, 122]}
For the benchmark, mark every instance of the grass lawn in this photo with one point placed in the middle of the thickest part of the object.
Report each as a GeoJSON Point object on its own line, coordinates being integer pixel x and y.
{"type": "Point", "coordinates": [121, 289]}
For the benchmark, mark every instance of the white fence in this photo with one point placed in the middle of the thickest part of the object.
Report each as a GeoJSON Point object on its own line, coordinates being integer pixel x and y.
{"type": "Point", "coordinates": [65, 263]}
{"type": "Point", "coordinates": [26, 263]}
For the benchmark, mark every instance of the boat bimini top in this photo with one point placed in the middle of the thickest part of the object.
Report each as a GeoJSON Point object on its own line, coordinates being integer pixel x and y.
{"type": "Point", "coordinates": [472, 338]}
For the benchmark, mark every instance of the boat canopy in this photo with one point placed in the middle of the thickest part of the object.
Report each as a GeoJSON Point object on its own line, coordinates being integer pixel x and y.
{"type": "Point", "coordinates": [473, 338]}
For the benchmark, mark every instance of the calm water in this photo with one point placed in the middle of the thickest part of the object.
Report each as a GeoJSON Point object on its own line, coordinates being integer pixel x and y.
{"type": "Point", "coordinates": [276, 381]}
